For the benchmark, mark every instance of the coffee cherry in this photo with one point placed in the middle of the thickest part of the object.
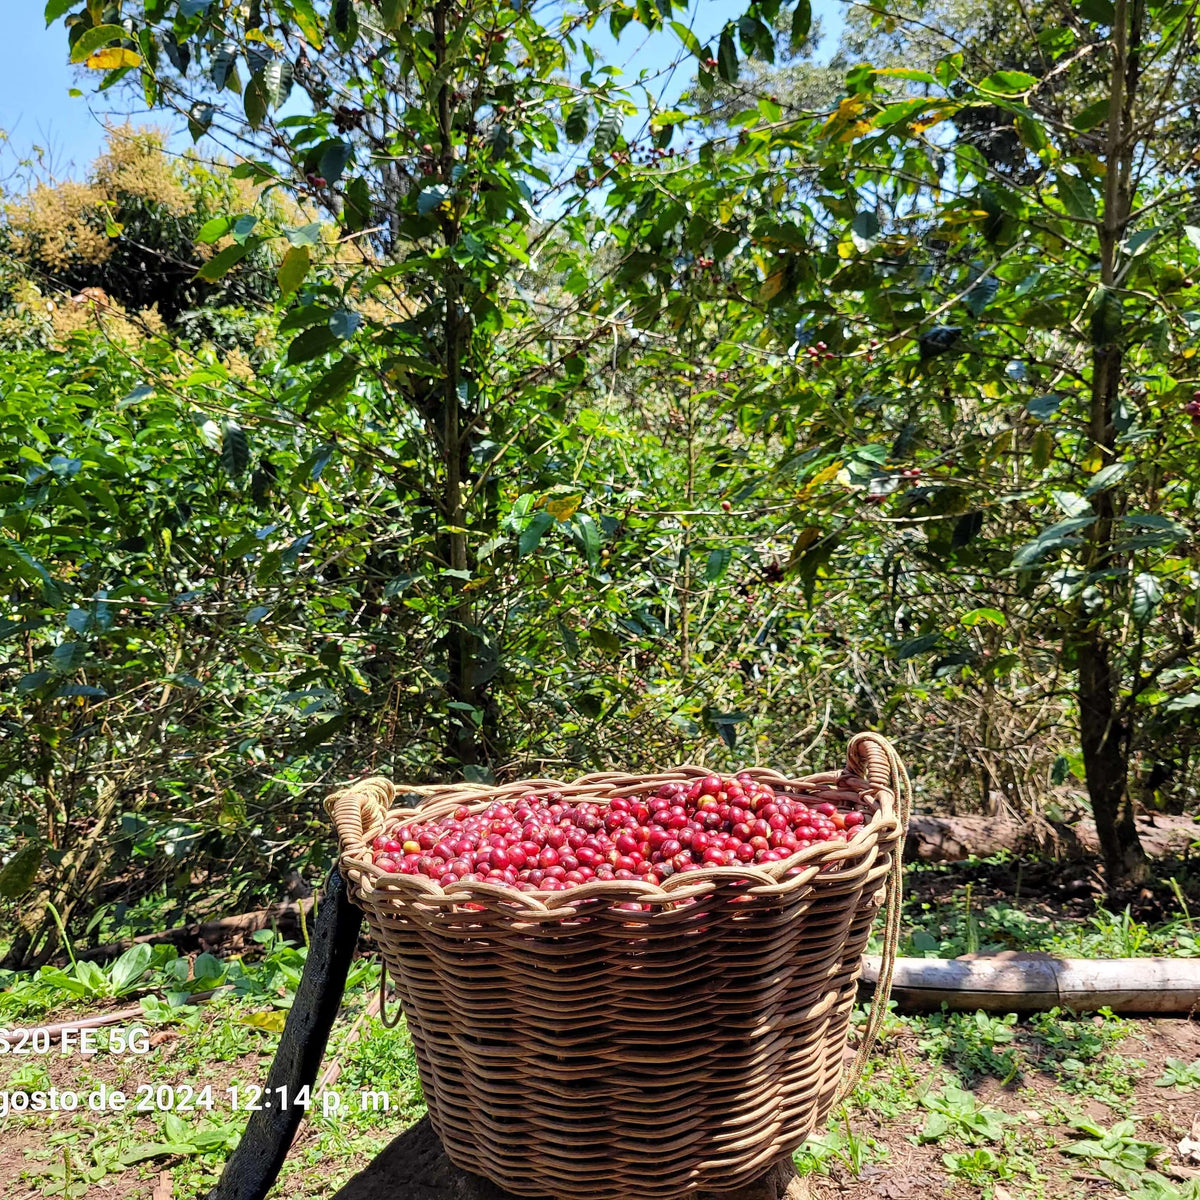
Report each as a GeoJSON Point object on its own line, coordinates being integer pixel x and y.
{"type": "Point", "coordinates": [547, 843]}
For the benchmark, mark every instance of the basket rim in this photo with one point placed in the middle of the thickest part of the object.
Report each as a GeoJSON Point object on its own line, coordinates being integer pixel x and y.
{"type": "Point", "coordinates": [364, 809]}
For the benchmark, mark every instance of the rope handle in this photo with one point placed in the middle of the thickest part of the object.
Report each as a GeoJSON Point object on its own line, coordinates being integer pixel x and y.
{"type": "Point", "coordinates": [873, 758]}
{"type": "Point", "coordinates": [383, 1017]}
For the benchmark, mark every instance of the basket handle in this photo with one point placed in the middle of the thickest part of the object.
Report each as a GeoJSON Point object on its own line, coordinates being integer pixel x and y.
{"type": "Point", "coordinates": [358, 811]}
{"type": "Point", "coordinates": [873, 758]}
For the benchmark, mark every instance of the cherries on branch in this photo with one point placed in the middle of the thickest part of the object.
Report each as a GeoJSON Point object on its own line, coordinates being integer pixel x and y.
{"type": "Point", "coordinates": [549, 844]}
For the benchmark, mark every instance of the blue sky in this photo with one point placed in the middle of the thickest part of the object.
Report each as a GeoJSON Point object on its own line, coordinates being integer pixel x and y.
{"type": "Point", "coordinates": [37, 110]}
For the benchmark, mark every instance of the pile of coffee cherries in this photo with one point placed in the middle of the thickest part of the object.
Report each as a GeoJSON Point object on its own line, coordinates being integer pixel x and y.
{"type": "Point", "coordinates": [546, 843]}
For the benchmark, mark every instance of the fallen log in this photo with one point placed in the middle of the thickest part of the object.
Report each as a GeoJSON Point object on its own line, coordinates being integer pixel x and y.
{"type": "Point", "coordinates": [1019, 982]}
{"type": "Point", "coordinates": [190, 937]}
{"type": "Point", "coordinates": [950, 839]}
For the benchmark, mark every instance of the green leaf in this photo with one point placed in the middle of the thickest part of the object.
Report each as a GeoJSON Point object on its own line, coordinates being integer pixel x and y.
{"type": "Point", "coordinates": [222, 262]}
{"type": "Point", "coordinates": [254, 103]}
{"type": "Point", "coordinates": [68, 656]}
{"type": "Point", "coordinates": [727, 59]}
{"type": "Point", "coordinates": [576, 124]}
{"type": "Point", "coordinates": [200, 117]}
{"type": "Point", "coordinates": [335, 155]}
{"type": "Point", "coordinates": [688, 38]}
{"type": "Point", "coordinates": [130, 967]}
{"type": "Point", "coordinates": [146, 1150]}
{"type": "Point", "coordinates": [293, 269]}
{"type": "Point", "coordinates": [312, 343]}
{"type": "Point", "coordinates": [982, 293]}
{"type": "Point", "coordinates": [608, 131]}
{"type": "Point", "coordinates": [271, 1021]}
{"type": "Point", "coordinates": [93, 39]}
{"type": "Point", "coordinates": [213, 230]}
{"type": "Point", "coordinates": [1057, 537]}
{"type": "Point", "coordinates": [235, 450]}
{"type": "Point", "coordinates": [343, 21]}
{"type": "Point", "coordinates": [32, 681]}
{"type": "Point", "coordinates": [58, 8]}
{"type": "Point", "coordinates": [981, 616]}
{"type": "Point", "coordinates": [532, 533]}
{"type": "Point", "coordinates": [431, 198]}
{"type": "Point", "coordinates": [1157, 523]}
{"type": "Point", "coordinates": [320, 734]}
{"type": "Point", "coordinates": [1095, 114]}
{"type": "Point", "coordinates": [221, 66]}
{"type": "Point", "coordinates": [277, 80]}
{"type": "Point", "coordinates": [334, 383]}
{"type": "Point", "coordinates": [1044, 407]}
{"type": "Point", "coordinates": [1108, 477]}
{"type": "Point", "coordinates": [1147, 595]}
{"type": "Point", "coordinates": [802, 24]}
{"type": "Point", "coordinates": [305, 235]}
{"type": "Point", "coordinates": [343, 323]}
{"type": "Point", "coordinates": [718, 563]}
{"type": "Point", "coordinates": [865, 228]}
{"type": "Point", "coordinates": [310, 26]}
{"type": "Point", "coordinates": [208, 969]}
{"type": "Point", "coordinates": [93, 979]}
{"type": "Point", "coordinates": [588, 539]}
{"type": "Point", "coordinates": [20, 872]}
{"type": "Point", "coordinates": [1008, 83]}
{"type": "Point", "coordinates": [917, 645]}
{"type": "Point", "coordinates": [1076, 196]}
{"type": "Point", "coordinates": [393, 12]}
{"type": "Point", "coordinates": [356, 211]}
{"type": "Point", "coordinates": [604, 639]}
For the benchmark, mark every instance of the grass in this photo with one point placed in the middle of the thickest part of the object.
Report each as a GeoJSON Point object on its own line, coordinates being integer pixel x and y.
{"type": "Point", "coordinates": [974, 1104]}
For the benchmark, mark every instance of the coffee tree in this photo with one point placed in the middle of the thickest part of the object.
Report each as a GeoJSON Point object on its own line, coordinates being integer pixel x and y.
{"type": "Point", "coordinates": [459, 150]}
{"type": "Point", "coordinates": [988, 383]}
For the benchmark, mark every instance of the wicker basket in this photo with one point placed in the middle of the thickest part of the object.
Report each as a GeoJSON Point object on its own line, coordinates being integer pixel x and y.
{"type": "Point", "coordinates": [570, 1047]}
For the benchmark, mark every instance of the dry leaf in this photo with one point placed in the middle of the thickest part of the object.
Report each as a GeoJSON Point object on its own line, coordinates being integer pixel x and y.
{"type": "Point", "coordinates": [112, 57]}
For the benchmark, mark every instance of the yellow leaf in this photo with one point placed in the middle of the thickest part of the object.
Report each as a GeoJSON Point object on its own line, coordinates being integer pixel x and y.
{"type": "Point", "coordinates": [112, 57]}
{"type": "Point", "coordinates": [773, 285]}
{"type": "Point", "coordinates": [563, 508]}
{"type": "Point", "coordinates": [856, 130]}
{"type": "Point", "coordinates": [826, 474]}
{"type": "Point", "coordinates": [272, 1021]}
{"type": "Point", "coordinates": [928, 123]}
{"type": "Point", "coordinates": [1093, 461]}
{"type": "Point", "coordinates": [847, 109]}
{"type": "Point", "coordinates": [1043, 449]}
{"type": "Point", "coordinates": [805, 539]}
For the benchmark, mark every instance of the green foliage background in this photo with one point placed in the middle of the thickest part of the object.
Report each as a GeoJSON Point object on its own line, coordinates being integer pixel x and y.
{"type": "Point", "coordinates": [504, 422]}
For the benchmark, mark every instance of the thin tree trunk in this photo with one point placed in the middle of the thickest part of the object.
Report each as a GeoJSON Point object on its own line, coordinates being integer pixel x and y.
{"type": "Point", "coordinates": [82, 867]}
{"type": "Point", "coordinates": [461, 643]}
{"type": "Point", "coordinates": [1103, 739]}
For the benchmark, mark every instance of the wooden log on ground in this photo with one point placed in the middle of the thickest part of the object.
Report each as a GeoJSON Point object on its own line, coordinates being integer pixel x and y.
{"type": "Point", "coordinates": [950, 839]}
{"type": "Point", "coordinates": [1018, 982]}
{"type": "Point", "coordinates": [253, 1167]}
{"type": "Point", "coordinates": [415, 1165]}
{"type": "Point", "coordinates": [220, 929]}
